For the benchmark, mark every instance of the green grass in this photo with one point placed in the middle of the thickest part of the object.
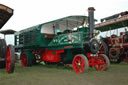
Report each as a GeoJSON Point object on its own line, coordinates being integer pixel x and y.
{"type": "Point", "coordinates": [117, 74]}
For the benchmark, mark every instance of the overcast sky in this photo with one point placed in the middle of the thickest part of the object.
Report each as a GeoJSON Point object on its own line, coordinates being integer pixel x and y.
{"type": "Point", "coordinates": [28, 13]}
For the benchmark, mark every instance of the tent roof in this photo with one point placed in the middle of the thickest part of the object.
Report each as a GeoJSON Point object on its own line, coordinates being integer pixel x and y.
{"type": "Point", "coordinates": [9, 31]}
{"type": "Point", "coordinates": [78, 19]}
{"type": "Point", "coordinates": [5, 14]}
{"type": "Point", "coordinates": [69, 22]}
{"type": "Point", "coordinates": [112, 24]}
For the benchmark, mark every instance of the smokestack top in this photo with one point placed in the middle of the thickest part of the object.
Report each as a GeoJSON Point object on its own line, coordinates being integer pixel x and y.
{"type": "Point", "coordinates": [91, 9]}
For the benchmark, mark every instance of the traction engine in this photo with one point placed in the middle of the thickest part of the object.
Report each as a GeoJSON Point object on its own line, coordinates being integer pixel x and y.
{"type": "Point", "coordinates": [7, 57]}
{"type": "Point", "coordinates": [63, 41]}
{"type": "Point", "coordinates": [115, 46]}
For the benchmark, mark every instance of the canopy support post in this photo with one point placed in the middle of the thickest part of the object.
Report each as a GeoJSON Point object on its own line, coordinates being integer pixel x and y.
{"type": "Point", "coordinates": [4, 36]}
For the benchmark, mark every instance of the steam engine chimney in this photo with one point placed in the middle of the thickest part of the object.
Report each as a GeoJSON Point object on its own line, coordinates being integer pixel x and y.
{"type": "Point", "coordinates": [91, 21]}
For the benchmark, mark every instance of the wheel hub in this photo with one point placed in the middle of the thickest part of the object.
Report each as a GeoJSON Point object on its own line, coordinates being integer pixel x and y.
{"type": "Point", "coordinates": [78, 64]}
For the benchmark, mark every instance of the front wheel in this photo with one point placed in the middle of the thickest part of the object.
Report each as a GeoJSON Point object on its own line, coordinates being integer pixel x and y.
{"type": "Point", "coordinates": [10, 59]}
{"type": "Point", "coordinates": [80, 63]}
{"type": "Point", "coordinates": [102, 62]}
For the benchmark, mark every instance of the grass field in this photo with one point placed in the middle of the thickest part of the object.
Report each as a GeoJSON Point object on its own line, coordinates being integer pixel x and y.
{"type": "Point", "coordinates": [117, 74]}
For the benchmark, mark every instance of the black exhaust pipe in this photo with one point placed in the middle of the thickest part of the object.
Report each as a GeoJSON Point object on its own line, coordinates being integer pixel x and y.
{"type": "Point", "coordinates": [91, 21]}
{"type": "Point", "coordinates": [91, 45]}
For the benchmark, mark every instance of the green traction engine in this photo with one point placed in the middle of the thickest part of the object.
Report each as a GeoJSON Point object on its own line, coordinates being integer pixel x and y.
{"type": "Point", "coordinates": [69, 40]}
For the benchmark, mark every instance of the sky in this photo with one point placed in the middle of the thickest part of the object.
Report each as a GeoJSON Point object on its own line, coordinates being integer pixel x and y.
{"type": "Point", "coordinates": [28, 13]}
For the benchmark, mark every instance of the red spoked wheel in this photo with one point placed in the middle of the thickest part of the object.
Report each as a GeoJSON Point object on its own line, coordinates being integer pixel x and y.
{"type": "Point", "coordinates": [80, 63]}
{"type": "Point", "coordinates": [23, 59]}
{"type": "Point", "coordinates": [102, 62]}
{"type": "Point", "coordinates": [10, 59]}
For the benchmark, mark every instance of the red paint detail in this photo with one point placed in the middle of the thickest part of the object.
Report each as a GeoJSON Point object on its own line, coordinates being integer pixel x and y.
{"type": "Point", "coordinates": [68, 47]}
{"type": "Point", "coordinates": [89, 55]}
{"type": "Point", "coordinates": [120, 40]}
{"type": "Point", "coordinates": [113, 41]}
{"type": "Point", "coordinates": [109, 41]}
{"type": "Point", "coordinates": [78, 64]}
{"type": "Point", "coordinates": [51, 55]}
{"type": "Point", "coordinates": [8, 59]}
{"type": "Point", "coordinates": [91, 60]}
{"type": "Point", "coordinates": [23, 59]}
{"type": "Point", "coordinates": [113, 36]}
{"type": "Point", "coordinates": [121, 33]}
{"type": "Point", "coordinates": [49, 35]}
{"type": "Point", "coordinates": [98, 61]}
{"type": "Point", "coordinates": [125, 45]}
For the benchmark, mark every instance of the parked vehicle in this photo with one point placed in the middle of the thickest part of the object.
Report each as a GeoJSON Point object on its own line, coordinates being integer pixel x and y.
{"type": "Point", "coordinates": [115, 46]}
{"type": "Point", "coordinates": [62, 41]}
{"type": "Point", "coordinates": [7, 54]}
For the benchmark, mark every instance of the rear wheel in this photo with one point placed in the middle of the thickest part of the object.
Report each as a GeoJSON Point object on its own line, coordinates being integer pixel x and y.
{"type": "Point", "coordinates": [80, 63]}
{"type": "Point", "coordinates": [102, 62]}
{"type": "Point", "coordinates": [25, 61]}
{"type": "Point", "coordinates": [10, 59]}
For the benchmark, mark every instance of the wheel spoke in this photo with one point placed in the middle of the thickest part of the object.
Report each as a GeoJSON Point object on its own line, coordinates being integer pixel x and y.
{"type": "Point", "coordinates": [82, 64]}
{"type": "Point", "coordinates": [80, 69]}
{"type": "Point", "coordinates": [76, 62]}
